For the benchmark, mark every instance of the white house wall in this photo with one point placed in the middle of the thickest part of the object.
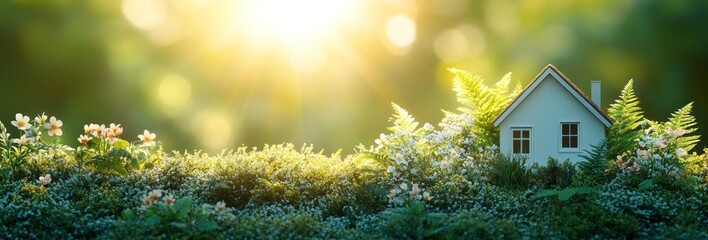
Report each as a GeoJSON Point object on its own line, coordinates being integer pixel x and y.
{"type": "Point", "coordinates": [543, 110]}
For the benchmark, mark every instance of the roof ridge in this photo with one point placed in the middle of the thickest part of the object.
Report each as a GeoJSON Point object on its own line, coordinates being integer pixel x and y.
{"type": "Point", "coordinates": [502, 115]}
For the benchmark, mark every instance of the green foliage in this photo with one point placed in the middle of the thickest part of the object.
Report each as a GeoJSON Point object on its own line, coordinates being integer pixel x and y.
{"type": "Point", "coordinates": [682, 119]}
{"type": "Point", "coordinates": [509, 171]}
{"type": "Point", "coordinates": [177, 221]}
{"type": "Point", "coordinates": [482, 102]}
{"type": "Point", "coordinates": [626, 117]}
{"type": "Point", "coordinates": [117, 156]}
{"type": "Point", "coordinates": [596, 162]}
{"type": "Point", "coordinates": [474, 225]}
{"type": "Point", "coordinates": [566, 193]}
{"type": "Point", "coordinates": [402, 121]}
{"type": "Point", "coordinates": [413, 221]}
{"type": "Point", "coordinates": [553, 174]}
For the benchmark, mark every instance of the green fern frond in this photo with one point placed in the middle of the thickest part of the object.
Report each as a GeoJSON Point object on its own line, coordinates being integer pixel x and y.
{"type": "Point", "coordinates": [482, 102]}
{"type": "Point", "coordinates": [682, 118]}
{"type": "Point", "coordinates": [402, 121]}
{"type": "Point", "coordinates": [596, 162]}
{"type": "Point", "coordinates": [627, 116]}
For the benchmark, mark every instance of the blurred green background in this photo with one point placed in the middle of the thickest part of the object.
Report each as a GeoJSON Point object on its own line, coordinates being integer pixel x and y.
{"type": "Point", "coordinates": [219, 74]}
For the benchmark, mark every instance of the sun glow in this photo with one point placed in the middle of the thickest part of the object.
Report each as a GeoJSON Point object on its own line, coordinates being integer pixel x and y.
{"type": "Point", "coordinates": [293, 20]}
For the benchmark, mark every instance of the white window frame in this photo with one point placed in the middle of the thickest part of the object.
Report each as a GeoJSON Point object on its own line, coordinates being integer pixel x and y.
{"type": "Point", "coordinates": [522, 138]}
{"type": "Point", "coordinates": [561, 135]}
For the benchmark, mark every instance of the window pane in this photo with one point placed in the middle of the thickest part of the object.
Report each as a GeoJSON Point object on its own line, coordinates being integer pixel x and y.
{"type": "Point", "coordinates": [565, 129]}
{"type": "Point", "coordinates": [526, 133]}
{"type": "Point", "coordinates": [516, 133]}
{"type": "Point", "coordinates": [574, 142]}
{"type": "Point", "coordinates": [525, 146]}
{"type": "Point", "coordinates": [517, 146]}
{"type": "Point", "coordinates": [566, 142]}
{"type": "Point", "coordinates": [574, 129]}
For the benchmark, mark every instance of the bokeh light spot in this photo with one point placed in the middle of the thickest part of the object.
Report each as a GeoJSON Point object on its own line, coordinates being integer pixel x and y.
{"type": "Point", "coordinates": [174, 92]}
{"type": "Point", "coordinates": [212, 129]}
{"type": "Point", "coordinates": [144, 14]}
{"type": "Point", "coordinates": [401, 31]}
{"type": "Point", "coordinates": [451, 45]}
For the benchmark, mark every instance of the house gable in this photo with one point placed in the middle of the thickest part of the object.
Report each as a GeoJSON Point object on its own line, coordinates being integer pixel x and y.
{"type": "Point", "coordinates": [552, 71]}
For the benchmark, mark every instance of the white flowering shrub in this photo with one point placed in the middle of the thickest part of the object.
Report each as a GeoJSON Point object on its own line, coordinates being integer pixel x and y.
{"type": "Point", "coordinates": [415, 158]}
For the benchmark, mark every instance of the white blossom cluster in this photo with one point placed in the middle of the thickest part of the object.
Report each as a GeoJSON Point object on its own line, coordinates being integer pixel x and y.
{"type": "Point", "coordinates": [657, 154]}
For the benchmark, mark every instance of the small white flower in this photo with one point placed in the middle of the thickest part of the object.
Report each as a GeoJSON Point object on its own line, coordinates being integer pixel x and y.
{"type": "Point", "coordinates": [391, 169]}
{"type": "Point", "coordinates": [169, 200]}
{"type": "Point", "coordinates": [147, 138]}
{"type": "Point", "coordinates": [453, 153]}
{"type": "Point", "coordinates": [116, 128]}
{"type": "Point", "coordinates": [83, 139]}
{"type": "Point", "coordinates": [445, 163]}
{"type": "Point", "coordinates": [23, 140]}
{"type": "Point", "coordinates": [21, 122]}
{"type": "Point", "coordinates": [400, 160]}
{"type": "Point", "coordinates": [155, 195]}
{"type": "Point", "coordinates": [680, 153]}
{"type": "Point", "coordinates": [381, 141]}
{"type": "Point", "coordinates": [111, 136]}
{"type": "Point", "coordinates": [46, 179]}
{"type": "Point", "coordinates": [663, 144]}
{"type": "Point", "coordinates": [147, 200]}
{"type": "Point", "coordinates": [404, 186]}
{"type": "Point", "coordinates": [41, 118]}
{"type": "Point", "coordinates": [414, 171]}
{"type": "Point", "coordinates": [426, 196]}
{"type": "Point", "coordinates": [415, 190]}
{"type": "Point", "coordinates": [428, 127]}
{"type": "Point", "coordinates": [679, 132]}
{"type": "Point", "coordinates": [675, 133]}
{"type": "Point", "coordinates": [53, 126]}
{"type": "Point", "coordinates": [88, 128]}
{"type": "Point", "coordinates": [643, 154]}
{"type": "Point", "coordinates": [220, 206]}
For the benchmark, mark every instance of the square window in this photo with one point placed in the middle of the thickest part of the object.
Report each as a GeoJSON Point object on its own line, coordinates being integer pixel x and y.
{"type": "Point", "coordinates": [570, 135]}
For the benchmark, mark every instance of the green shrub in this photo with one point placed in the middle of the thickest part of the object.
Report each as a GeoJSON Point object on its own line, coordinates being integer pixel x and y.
{"type": "Point", "coordinates": [473, 225]}
{"type": "Point", "coordinates": [509, 171]}
{"type": "Point", "coordinates": [413, 222]}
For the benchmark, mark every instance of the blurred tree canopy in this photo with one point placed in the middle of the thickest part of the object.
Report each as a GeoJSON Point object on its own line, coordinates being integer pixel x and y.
{"type": "Point", "coordinates": [191, 70]}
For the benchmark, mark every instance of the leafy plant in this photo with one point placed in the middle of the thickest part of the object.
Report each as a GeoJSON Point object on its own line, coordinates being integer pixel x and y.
{"type": "Point", "coordinates": [682, 119]}
{"type": "Point", "coordinates": [413, 222]}
{"type": "Point", "coordinates": [596, 162]}
{"type": "Point", "coordinates": [172, 219]}
{"type": "Point", "coordinates": [566, 193]}
{"type": "Point", "coordinates": [483, 103]}
{"type": "Point", "coordinates": [626, 117]}
{"type": "Point", "coordinates": [15, 152]}
{"type": "Point", "coordinates": [508, 171]}
{"type": "Point", "coordinates": [107, 152]}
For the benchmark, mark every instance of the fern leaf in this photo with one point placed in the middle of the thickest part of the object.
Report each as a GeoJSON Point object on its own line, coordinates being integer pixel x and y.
{"type": "Point", "coordinates": [596, 162]}
{"type": "Point", "coordinates": [402, 121]}
{"type": "Point", "coordinates": [482, 102]}
{"type": "Point", "coordinates": [682, 118]}
{"type": "Point", "coordinates": [627, 116]}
